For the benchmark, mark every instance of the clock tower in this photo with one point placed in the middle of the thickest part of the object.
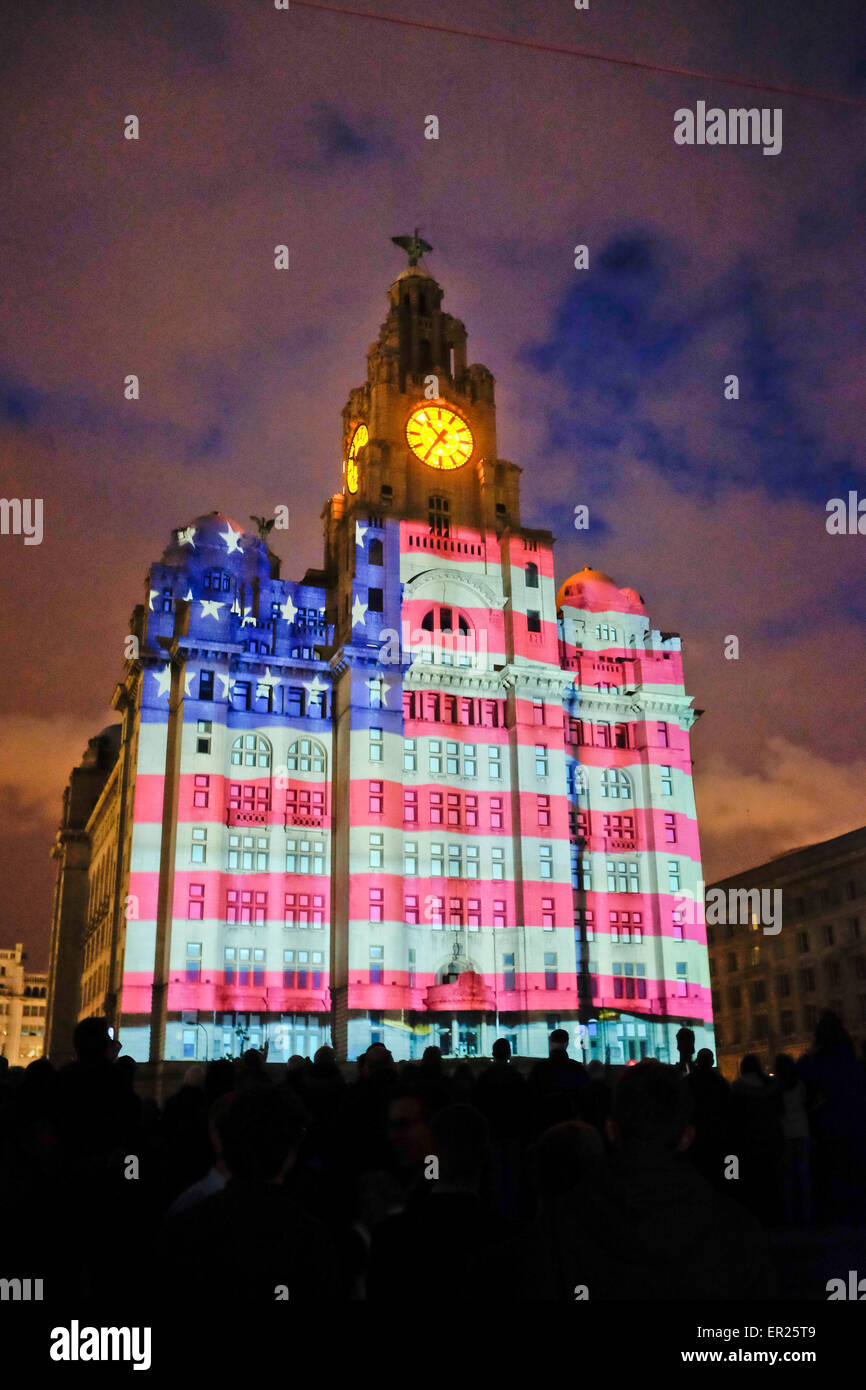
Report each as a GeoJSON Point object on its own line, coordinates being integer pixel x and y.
{"type": "Point", "coordinates": [446, 658]}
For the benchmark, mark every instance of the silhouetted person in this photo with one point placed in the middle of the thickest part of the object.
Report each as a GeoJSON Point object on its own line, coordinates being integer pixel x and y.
{"type": "Point", "coordinates": [556, 1084]}
{"type": "Point", "coordinates": [649, 1226]}
{"type": "Point", "coordinates": [446, 1222]}
{"type": "Point", "coordinates": [502, 1096]}
{"type": "Point", "coordinates": [837, 1099]}
{"type": "Point", "coordinates": [252, 1234]}
{"type": "Point", "coordinates": [712, 1118]}
{"type": "Point", "coordinates": [757, 1132]}
{"type": "Point", "coordinates": [796, 1142]}
{"type": "Point", "coordinates": [686, 1050]}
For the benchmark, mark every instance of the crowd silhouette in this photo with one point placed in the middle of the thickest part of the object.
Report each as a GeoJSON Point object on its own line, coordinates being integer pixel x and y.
{"type": "Point", "coordinates": [303, 1182]}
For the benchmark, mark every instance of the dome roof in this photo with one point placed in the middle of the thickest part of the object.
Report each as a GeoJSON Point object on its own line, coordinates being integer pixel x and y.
{"type": "Point", "coordinates": [215, 533]}
{"type": "Point", "coordinates": [595, 591]}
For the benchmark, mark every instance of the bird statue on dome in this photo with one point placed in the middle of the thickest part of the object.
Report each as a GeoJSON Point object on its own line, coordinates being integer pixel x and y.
{"type": "Point", "coordinates": [414, 246]}
{"type": "Point", "coordinates": [264, 526]}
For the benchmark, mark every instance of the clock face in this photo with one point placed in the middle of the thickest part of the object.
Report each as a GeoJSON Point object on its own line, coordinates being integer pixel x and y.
{"type": "Point", "coordinates": [439, 437]}
{"type": "Point", "coordinates": [359, 439]}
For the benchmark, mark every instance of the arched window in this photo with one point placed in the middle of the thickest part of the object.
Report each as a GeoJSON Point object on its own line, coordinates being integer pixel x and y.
{"type": "Point", "coordinates": [250, 750]}
{"type": "Point", "coordinates": [306, 755]}
{"type": "Point", "coordinates": [531, 576]}
{"type": "Point", "coordinates": [441, 619]}
{"type": "Point", "coordinates": [615, 783]}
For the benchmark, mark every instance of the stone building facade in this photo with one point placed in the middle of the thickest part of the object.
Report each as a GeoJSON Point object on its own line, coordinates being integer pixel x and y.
{"type": "Point", "coordinates": [422, 795]}
{"type": "Point", "coordinates": [769, 988]}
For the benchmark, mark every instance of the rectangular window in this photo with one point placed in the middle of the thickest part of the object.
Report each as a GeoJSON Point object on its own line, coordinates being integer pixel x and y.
{"type": "Point", "coordinates": [377, 800]}
{"type": "Point", "coordinates": [437, 861]}
{"type": "Point", "coordinates": [494, 762]}
{"type": "Point", "coordinates": [377, 850]}
{"type": "Point", "coordinates": [540, 760]}
{"type": "Point", "coordinates": [472, 862]}
{"type": "Point", "coordinates": [548, 920]}
{"type": "Point", "coordinates": [410, 807]}
{"type": "Point", "coordinates": [533, 620]}
{"type": "Point", "coordinates": [497, 865]}
{"type": "Point", "coordinates": [673, 876]}
{"type": "Point", "coordinates": [410, 755]}
{"type": "Point", "coordinates": [550, 970]}
{"type": "Point", "coordinates": [664, 740]}
{"type": "Point", "coordinates": [374, 600]}
{"type": "Point", "coordinates": [471, 811]}
{"type": "Point", "coordinates": [205, 685]}
{"type": "Point", "coordinates": [193, 962]}
{"type": "Point", "coordinates": [204, 729]}
{"type": "Point", "coordinates": [435, 756]}
{"type": "Point", "coordinates": [195, 902]}
{"type": "Point", "coordinates": [377, 957]}
{"type": "Point", "coordinates": [435, 808]}
{"type": "Point", "coordinates": [545, 860]}
{"type": "Point", "coordinates": [509, 975]}
{"type": "Point", "coordinates": [376, 744]}
{"type": "Point", "coordinates": [452, 758]}
{"type": "Point", "coordinates": [543, 804]}
{"type": "Point", "coordinates": [670, 830]}
{"type": "Point", "coordinates": [667, 781]}
{"type": "Point", "coordinates": [454, 808]}
{"type": "Point", "coordinates": [473, 914]}
{"type": "Point", "coordinates": [198, 849]}
{"type": "Point", "coordinates": [410, 909]}
{"type": "Point", "coordinates": [499, 918]}
{"type": "Point", "coordinates": [538, 711]}
{"type": "Point", "coordinates": [496, 813]}
{"type": "Point", "coordinates": [201, 790]}
{"type": "Point", "coordinates": [377, 904]}
{"type": "Point", "coordinates": [455, 861]}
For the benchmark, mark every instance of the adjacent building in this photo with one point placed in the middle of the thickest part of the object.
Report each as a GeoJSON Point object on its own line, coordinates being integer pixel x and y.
{"type": "Point", "coordinates": [22, 1009]}
{"type": "Point", "coordinates": [769, 988]}
{"type": "Point", "coordinates": [421, 796]}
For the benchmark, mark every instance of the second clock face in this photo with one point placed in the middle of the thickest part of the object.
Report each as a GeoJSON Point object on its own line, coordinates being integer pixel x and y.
{"type": "Point", "coordinates": [359, 439]}
{"type": "Point", "coordinates": [439, 437]}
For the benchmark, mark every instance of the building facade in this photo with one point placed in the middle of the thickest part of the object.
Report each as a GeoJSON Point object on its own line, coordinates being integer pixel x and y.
{"type": "Point", "coordinates": [420, 796]}
{"type": "Point", "coordinates": [770, 988]}
{"type": "Point", "coordinates": [22, 1009]}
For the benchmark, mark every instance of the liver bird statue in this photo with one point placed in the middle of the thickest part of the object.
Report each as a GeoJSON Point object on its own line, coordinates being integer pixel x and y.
{"type": "Point", "coordinates": [414, 246]}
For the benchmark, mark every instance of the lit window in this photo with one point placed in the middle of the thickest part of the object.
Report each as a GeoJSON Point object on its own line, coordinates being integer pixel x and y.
{"type": "Point", "coordinates": [198, 849]}
{"type": "Point", "coordinates": [376, 745]}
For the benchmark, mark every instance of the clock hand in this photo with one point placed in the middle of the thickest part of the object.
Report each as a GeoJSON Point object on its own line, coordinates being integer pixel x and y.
{"type": "Point", "coordinates": [440, 435]}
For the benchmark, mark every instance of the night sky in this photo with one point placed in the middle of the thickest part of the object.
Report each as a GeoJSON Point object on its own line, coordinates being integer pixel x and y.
{"type": "Point", "coordinates": [261, 127]}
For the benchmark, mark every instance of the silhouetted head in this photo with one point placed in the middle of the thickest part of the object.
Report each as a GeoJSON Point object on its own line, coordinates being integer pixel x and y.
{"type": "Point", "coordinates": [409, 1121]}
{"type": "Point", "coordinates": [830, 1034]}
{"type": "Point", "coordinates": [324, 1056]}
{"type": "Point", "coordinates": [558, 1042]}
{"type": "Point", "coordinates": [651, 1109]}
{"type": "Point", "coordinates": [461, 1140]}
{"type": "Point", "coordinates": [502, 1050]}
{"type": "Point", "coordinates": [785, 1071]}
{"type": "Point", "coordinates": [296, 1062]}
{"type": "Point", "coordinates": [431, 1061]}
{"type": "Point", "coordinates": [686, 1044]}
{"type": "Point", "coordinates": [377, 1058]}
{"type": "Point", "coordinates": [260, 1132]}
{"type": "Point", "coordinates": [751, 1065]}
{"type": "Point", "coordinates": [91, 1040]}
{"type": "Point", "coordinates": [564, 1155]}
{"type": "Point", "coordinates": [704, 1060]}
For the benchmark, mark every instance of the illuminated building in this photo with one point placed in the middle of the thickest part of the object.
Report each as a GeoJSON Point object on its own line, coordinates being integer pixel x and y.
{"type": "Point", "coordinates": [419, 797]}
{"type": "Point", "coordinates": [22, 1009]}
